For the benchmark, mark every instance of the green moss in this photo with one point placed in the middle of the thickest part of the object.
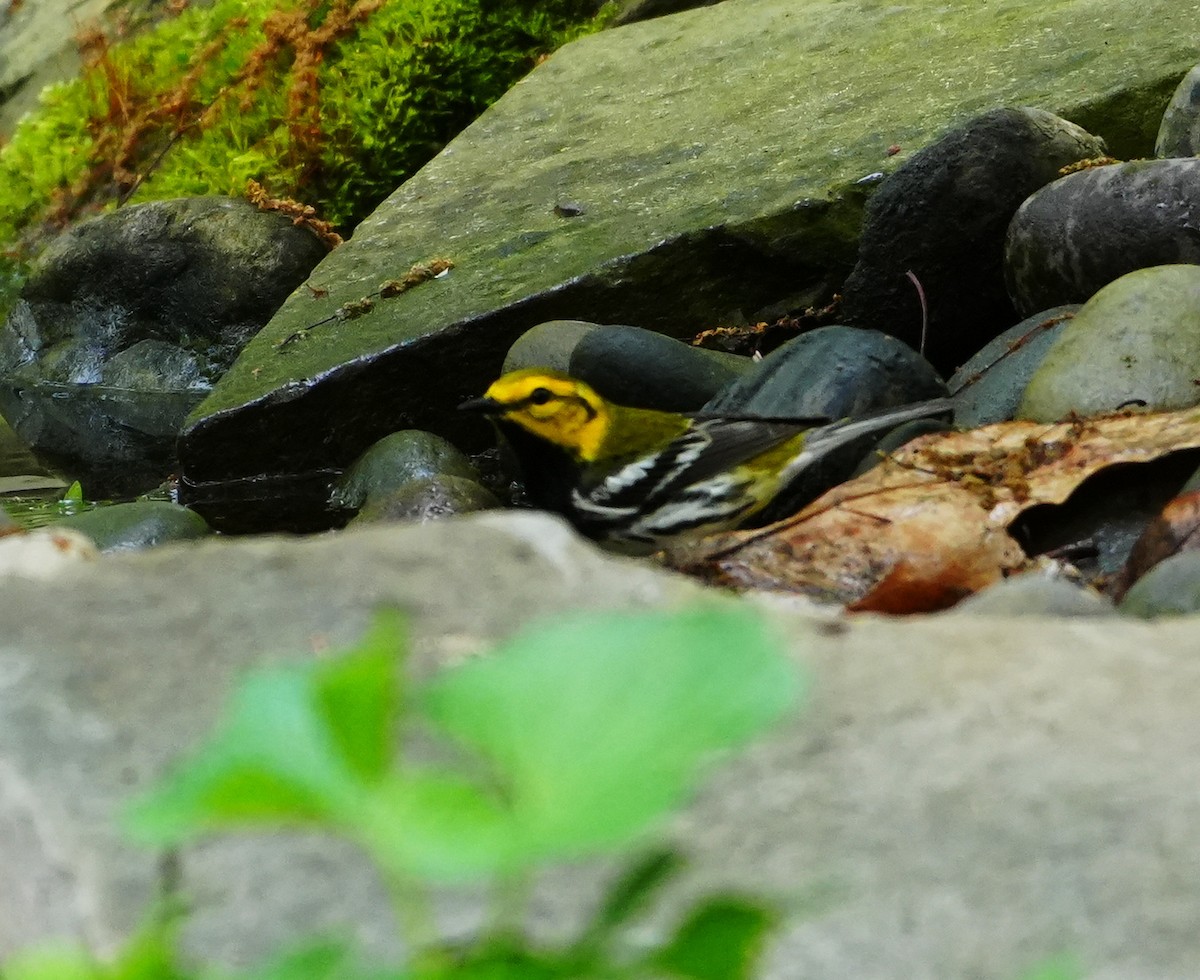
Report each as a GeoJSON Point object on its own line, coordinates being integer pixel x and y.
{"type": "Point", "coordinates": [306, 97]}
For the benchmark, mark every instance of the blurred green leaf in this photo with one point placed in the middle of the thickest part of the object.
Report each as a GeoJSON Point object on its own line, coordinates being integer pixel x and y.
{"type": "Point", "coordinates": [435, 825]}
{"type": "Point", "coordinates": [595, 726]}
{"type": "Point", "coordinates": [497, 958]}
{"type": "Point", "coordinates": [720, 940]}
{"type": "Point", "coordinates": [359, 697]}
{"type": "Point", "coordinates": [74, 493]}
{"type": "Point", "coordinates": [630, 894]}
{"type": "Point", "coordinates": [320, 960]}
{"type": "Point", "coordinates": [300, 744]}
{"type": "Point", "coordinates": [1063, 967]}
{"type": "Point", "coordinates": [63, 963]}
{"type": "Point", "coordinates": [149, 955]}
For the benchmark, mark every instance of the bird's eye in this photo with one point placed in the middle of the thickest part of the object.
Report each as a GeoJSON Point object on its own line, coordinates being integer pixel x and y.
{"type": "Point", "coordinates": [539, 396]}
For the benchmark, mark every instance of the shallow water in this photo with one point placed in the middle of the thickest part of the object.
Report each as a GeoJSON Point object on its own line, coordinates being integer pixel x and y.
{"type": "Point", "coordinates": [31, 511]}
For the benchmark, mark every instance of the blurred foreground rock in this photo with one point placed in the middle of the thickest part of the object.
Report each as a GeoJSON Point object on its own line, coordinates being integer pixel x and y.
{"type": "Point", "coordinates": [960, 796]}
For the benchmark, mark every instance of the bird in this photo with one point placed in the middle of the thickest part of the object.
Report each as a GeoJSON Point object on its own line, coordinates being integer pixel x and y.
{"type": "Point", "coordinates": [637, 480]}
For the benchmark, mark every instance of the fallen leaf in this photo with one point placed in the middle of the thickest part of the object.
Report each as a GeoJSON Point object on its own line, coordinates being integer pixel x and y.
{"type": "Point", "coordinates": [929, 525]}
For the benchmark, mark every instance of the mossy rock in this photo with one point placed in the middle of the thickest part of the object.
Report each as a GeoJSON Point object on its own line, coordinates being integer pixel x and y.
{"type": "Point", "coordinates": [312, 102]}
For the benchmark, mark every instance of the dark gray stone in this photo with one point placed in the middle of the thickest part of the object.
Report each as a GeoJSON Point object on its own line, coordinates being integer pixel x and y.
{"type": "Point", "coordinates": [137, 525]}
{"type": "Point", "coordinates": [1179, 135]}
{"type": "Point", "coordinates": [831, 372]}
{"type": "Point", "coordinates": [988, 388]}
{"type": "Point", "coordinates": [632, 366]}
{"type": "Point", "coordinates": [942, 217]}
{"type": "Point", "coordinates": [549, 344]}
{"type": "Point", "coordinates": [1083, 231]}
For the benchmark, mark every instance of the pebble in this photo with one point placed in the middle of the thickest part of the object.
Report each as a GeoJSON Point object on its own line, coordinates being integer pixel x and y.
{"type": "Point", "coordinates": [1170, 588]}
{"type": "Point", "coordinates": [1179, 133]}
{"type": "Point", "coordinates": [831, 372]}
{"type": "Point", "coordinates": [1035, 594]}
{"type": "Point", "coordinates": [396, 460]}
{"type": "Point", "coordinates": [1078, 234]}
{"type": "Point", "coordinates": [137, 525]}
{"type": "Point", "coordinates": [1137, 341]}
{"type": "Point", "coordinates": [988, 388]}
{"type": "Point", "coordinates": [426, 499]}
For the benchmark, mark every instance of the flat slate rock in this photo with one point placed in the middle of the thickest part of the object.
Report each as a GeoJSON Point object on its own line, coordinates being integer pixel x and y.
{"type": "Point", "coordinates": [712, 166]}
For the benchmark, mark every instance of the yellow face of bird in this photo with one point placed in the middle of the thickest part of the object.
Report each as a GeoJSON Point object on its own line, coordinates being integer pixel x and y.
{"type": "Point", "coordinates": [553, 406]}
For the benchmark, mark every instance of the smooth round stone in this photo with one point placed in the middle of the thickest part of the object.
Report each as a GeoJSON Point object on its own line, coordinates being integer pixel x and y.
{"type": "Point", "coordinates": [137, 525]}
{"type": "Point", "coordinates": [988, 388]}
{"type": "Point", "coordinates": [1170, 588]}
{"type": "Point", "coordinates": [427, 499]}
{"type": "Point", "coordinates": [633, 366]}
{"type": "Point", "coordinates": [943, 216]}
{"type": "Point", "coordinates": [1034, 595]}
{"type": "Point", "coordinates": [549, 344]}
{"type": "Point", "coordinates": [1075, 236]}
{"type": "Point", "coordinates": [1179, 133]}
{"type": "Point", "coordinates": [831, 372]}
{"type": "Point", "coordinates": [395, 460]}
{"type": "Point", "coordinates": [1135, 341]}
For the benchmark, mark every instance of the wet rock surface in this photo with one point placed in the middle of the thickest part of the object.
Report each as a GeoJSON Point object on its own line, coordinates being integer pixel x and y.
{"type": "Point", "coordinates": [410, 475]}
{"type": "Point", "coordinates": [129, 319]}
{"type": "Point", "coordinates": [989, 386]}
{"type": "Point", "coordinates": [137, 525]}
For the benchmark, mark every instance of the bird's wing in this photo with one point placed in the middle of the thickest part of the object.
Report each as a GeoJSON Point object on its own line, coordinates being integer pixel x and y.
{"type": "Point", "coordinates": [705, 450]}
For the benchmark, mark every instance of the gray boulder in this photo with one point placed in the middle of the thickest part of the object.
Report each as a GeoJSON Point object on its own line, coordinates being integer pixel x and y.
{"type": "Point", "coordinates": [1179, 134]}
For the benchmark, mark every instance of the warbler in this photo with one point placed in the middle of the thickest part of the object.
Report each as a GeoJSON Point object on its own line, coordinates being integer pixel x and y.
{"type": "Point", "coordinates": [638, 479]}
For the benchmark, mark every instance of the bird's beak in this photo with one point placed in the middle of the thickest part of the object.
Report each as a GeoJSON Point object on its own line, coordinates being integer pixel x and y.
{"type": "Point", "coordinates": [486, 406]}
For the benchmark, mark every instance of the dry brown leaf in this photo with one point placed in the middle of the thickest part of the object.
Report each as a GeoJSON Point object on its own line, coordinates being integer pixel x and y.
{"type": "Point", "coordinates": [929, 524]}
